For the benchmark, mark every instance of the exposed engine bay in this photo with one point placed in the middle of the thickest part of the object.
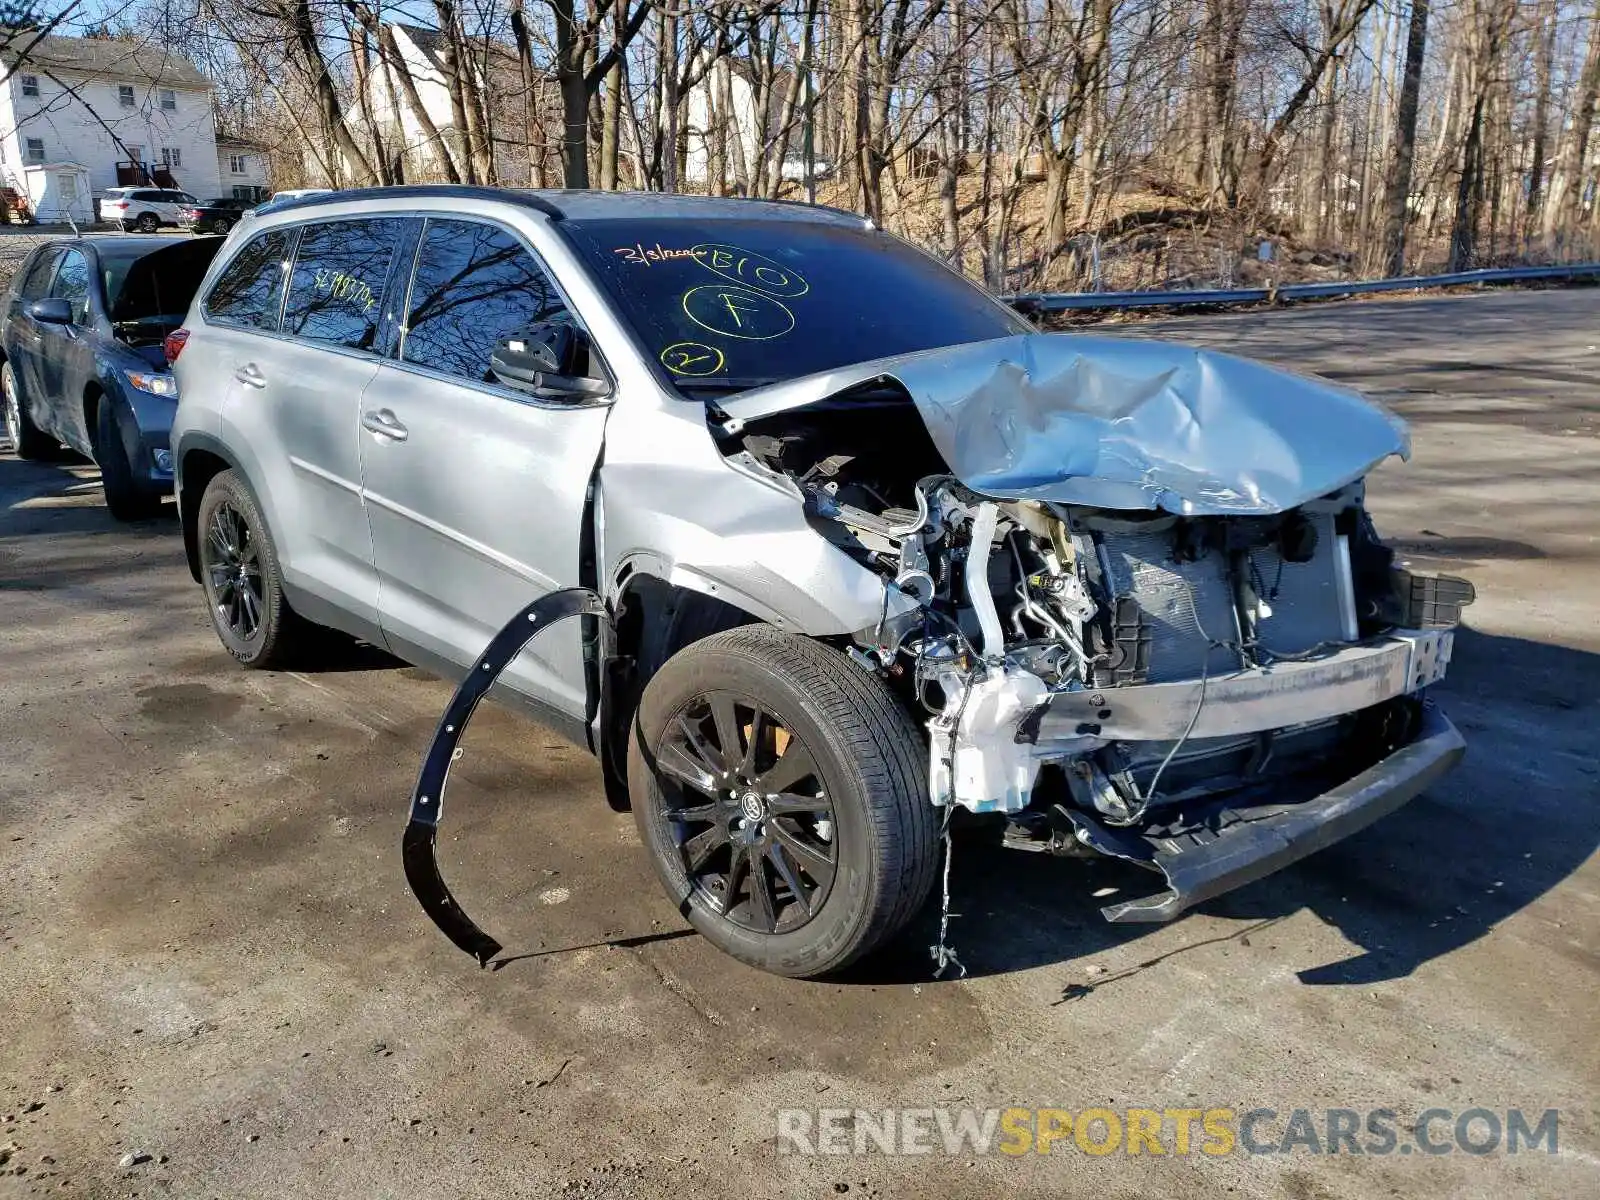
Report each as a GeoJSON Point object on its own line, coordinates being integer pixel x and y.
{"type": "Point", "coordinates": [1125, 665]}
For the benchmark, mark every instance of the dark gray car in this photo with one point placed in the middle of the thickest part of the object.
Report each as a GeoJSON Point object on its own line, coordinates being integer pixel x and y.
{"type": "Point", "coordinates": [81, 358]}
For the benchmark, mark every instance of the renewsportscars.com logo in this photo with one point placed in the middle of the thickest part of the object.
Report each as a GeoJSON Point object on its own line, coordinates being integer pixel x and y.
{"type": "Point", "coordinates": [1179, 1131]}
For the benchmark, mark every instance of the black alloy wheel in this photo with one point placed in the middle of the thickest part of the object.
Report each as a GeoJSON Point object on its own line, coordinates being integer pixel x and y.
{"type": "Point", "coordinates": [780, 792]}
{"type": "Point", "coordinates": [232, 564]}
{"type": "Point", "coordinates": [244, 583]}
{"type": "Point", "coordinates": [755, 827]}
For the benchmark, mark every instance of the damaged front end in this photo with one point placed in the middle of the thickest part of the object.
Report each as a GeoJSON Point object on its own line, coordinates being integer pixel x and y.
{"type": "Point", "coordinates": [1153, 620]}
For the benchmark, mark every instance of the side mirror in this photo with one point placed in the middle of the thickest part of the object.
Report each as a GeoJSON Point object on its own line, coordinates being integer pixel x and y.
{"type": "Point", "coordinates": [549, 360]}
{"type": "Point", "coordinates": [52, 310]}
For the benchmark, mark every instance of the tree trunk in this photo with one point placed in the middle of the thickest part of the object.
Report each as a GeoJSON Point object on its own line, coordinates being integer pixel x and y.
{"type": "Point", "coordinates": [329, 109]}
{"type": "Point", "coordinates": [1371, 156]}
{"type": "Point", "coordinates": [1464, 230]}
{"type": "Point", "coordinates": [1397, 191]}
{"type": "Point", "coordinates": [361, 69]}
{"type": "Point", "coordinates": [532, 129]}
{"type": "Point", "coordinates": [570, 45]}
{"type": "Point", "coordinates": [1543, 55]}
{"type": "Point", "coordinates": [671, 123]}
{"type": "Point", "coordinates": [1489, 24]}
{"type": "Point", "coordinates": [1566, 188]}
{"type": "Point", "coordinates": [1224, 24]}
{"type": "Point", "coordinates": [454, 71]}
{"type": "Point", "coordinates": [611, 120]}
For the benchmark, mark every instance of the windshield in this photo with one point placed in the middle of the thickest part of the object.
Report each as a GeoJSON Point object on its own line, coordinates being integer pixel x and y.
{"type": "Point", "coordinates": [724, 305]}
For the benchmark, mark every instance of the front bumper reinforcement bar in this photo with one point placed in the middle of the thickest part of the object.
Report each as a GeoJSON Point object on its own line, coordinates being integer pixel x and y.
{"type": "Point", "coordinates": [1257, 845]}
{"type": "Point", "coordinates": [427, 798]}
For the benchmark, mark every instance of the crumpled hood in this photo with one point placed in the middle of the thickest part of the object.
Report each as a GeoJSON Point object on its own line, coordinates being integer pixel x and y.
{"type": "Point", "coordinates": [1122, 423]}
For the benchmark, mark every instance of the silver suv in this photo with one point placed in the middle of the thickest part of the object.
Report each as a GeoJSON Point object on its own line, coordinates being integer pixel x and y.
{"type": "Point", "coordinates": [868, 549]}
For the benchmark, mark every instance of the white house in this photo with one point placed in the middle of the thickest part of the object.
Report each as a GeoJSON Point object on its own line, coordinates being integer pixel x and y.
{"type": "Point", "coordinates": [419, 50]}
{"type": "Point", "coordinates": [79, 115]}
{"type": "Point", "coordinates": [705, 113]}
{"type": "Point", "coordinates": [242, 169]}
{"type": "Point", "coordinates": [722, 108]}
{"type": "Point", "coordinates": [421, 57]}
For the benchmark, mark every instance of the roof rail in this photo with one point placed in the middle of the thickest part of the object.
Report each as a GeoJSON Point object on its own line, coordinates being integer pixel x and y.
{"type": "Point", "coordinates": [420, 191]}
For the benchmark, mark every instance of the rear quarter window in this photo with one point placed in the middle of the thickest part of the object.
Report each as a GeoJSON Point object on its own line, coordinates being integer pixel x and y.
{"type": "Point", "coordinates": [249, 291]}
{"type": "Point", "coordinates": [336, 288]}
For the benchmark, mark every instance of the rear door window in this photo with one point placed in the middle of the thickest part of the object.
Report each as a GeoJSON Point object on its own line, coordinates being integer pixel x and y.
{"type": "Point", "coordinates": [474, 284]}
{"type": "Point", "coordinates": [38, 278]}
{"type": "Point", "coordinates": [72, 284]}
{"type": "Point", "coordinates": [336, 288]}
{"type": "Point", "coordinates": [250, 290]}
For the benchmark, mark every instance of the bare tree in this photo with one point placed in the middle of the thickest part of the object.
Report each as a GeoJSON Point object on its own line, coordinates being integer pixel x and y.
{"type": "Point", "coordinates": [1397, 191]}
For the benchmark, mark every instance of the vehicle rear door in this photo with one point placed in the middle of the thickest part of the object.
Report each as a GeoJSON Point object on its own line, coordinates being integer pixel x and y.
{"type": "Point", "coordinates": [294, 400]}
{"type": "Point", "coordinates": [178, 205]}
{"type": "Point", "coordinates": [23, 335]}
{"type": "Point", "coordinates": [145, 200]}
{"type": "Point", "coordinates": [66, 352]}
{"type": "Point", "coordinates": [475, 492]}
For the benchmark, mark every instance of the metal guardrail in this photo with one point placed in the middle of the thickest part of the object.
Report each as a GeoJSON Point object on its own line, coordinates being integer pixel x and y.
{"type": "Point", "coordinates": [1048, 302]}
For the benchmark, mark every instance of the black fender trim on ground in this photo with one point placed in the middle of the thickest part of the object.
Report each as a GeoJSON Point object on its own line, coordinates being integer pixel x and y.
{"type": "Point", "coordinates": [427, 798]}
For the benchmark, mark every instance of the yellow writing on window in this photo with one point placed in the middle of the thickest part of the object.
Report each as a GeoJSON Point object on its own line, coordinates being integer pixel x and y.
{"type": "Point", "coordinates": [639, 253]}
{"type": "Point", "coordinates": [340, 286]}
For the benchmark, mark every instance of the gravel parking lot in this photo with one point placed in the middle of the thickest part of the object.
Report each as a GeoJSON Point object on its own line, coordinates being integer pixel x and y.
{"type": "Point", "coordinates": [215, 982]}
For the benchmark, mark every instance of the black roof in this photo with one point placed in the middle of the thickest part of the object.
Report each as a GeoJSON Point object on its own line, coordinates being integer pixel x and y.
{"type": "Point", "coordinates": [124, 239]}
{"type": "Point", "coordinates": [119, 241]}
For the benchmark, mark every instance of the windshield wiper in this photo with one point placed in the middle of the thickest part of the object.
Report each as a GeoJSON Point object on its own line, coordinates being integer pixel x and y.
{"type": "Point", "coordinates": [721, 385]}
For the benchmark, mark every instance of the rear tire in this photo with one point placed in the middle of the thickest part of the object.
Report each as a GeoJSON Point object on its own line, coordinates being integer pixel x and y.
{"type": "Point", "coordinates": [127, 497]}
{"type": "Point", "coordinates": [148, 223]}
{"type": "Point", "coordinates": [221, 225]}
{"type": "Point", "coordinates": [797, 865]}
{"type": "Point", "coordinates": [243, 582]}
{"type": "Point", "coordinates": [26, 439]}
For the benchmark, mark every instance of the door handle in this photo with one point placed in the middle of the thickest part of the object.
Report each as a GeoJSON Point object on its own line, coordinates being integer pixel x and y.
{"type": "Point", "coordinates": [384, 423]}
{"type": "Point", "coordinates": [251, 376]}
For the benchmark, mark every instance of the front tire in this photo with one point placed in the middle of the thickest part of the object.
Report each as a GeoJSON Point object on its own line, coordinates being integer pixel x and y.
{"type": "Point", "coordinates": [781, 793]}
{"type": "Point", "coordinates": [127, 497]}
{"type": "Point", "coordinates": [242, 579]}
{"type": "Point", "coordinates": [26, 439]}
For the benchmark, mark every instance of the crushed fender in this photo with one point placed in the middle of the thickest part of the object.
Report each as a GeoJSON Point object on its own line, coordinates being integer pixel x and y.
{"type": "Point", "coordinates": [427, 798]}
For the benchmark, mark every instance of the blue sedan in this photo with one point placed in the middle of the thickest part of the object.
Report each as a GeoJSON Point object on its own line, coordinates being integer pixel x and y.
{"type": "Point", "coordinates": [82, 361]}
